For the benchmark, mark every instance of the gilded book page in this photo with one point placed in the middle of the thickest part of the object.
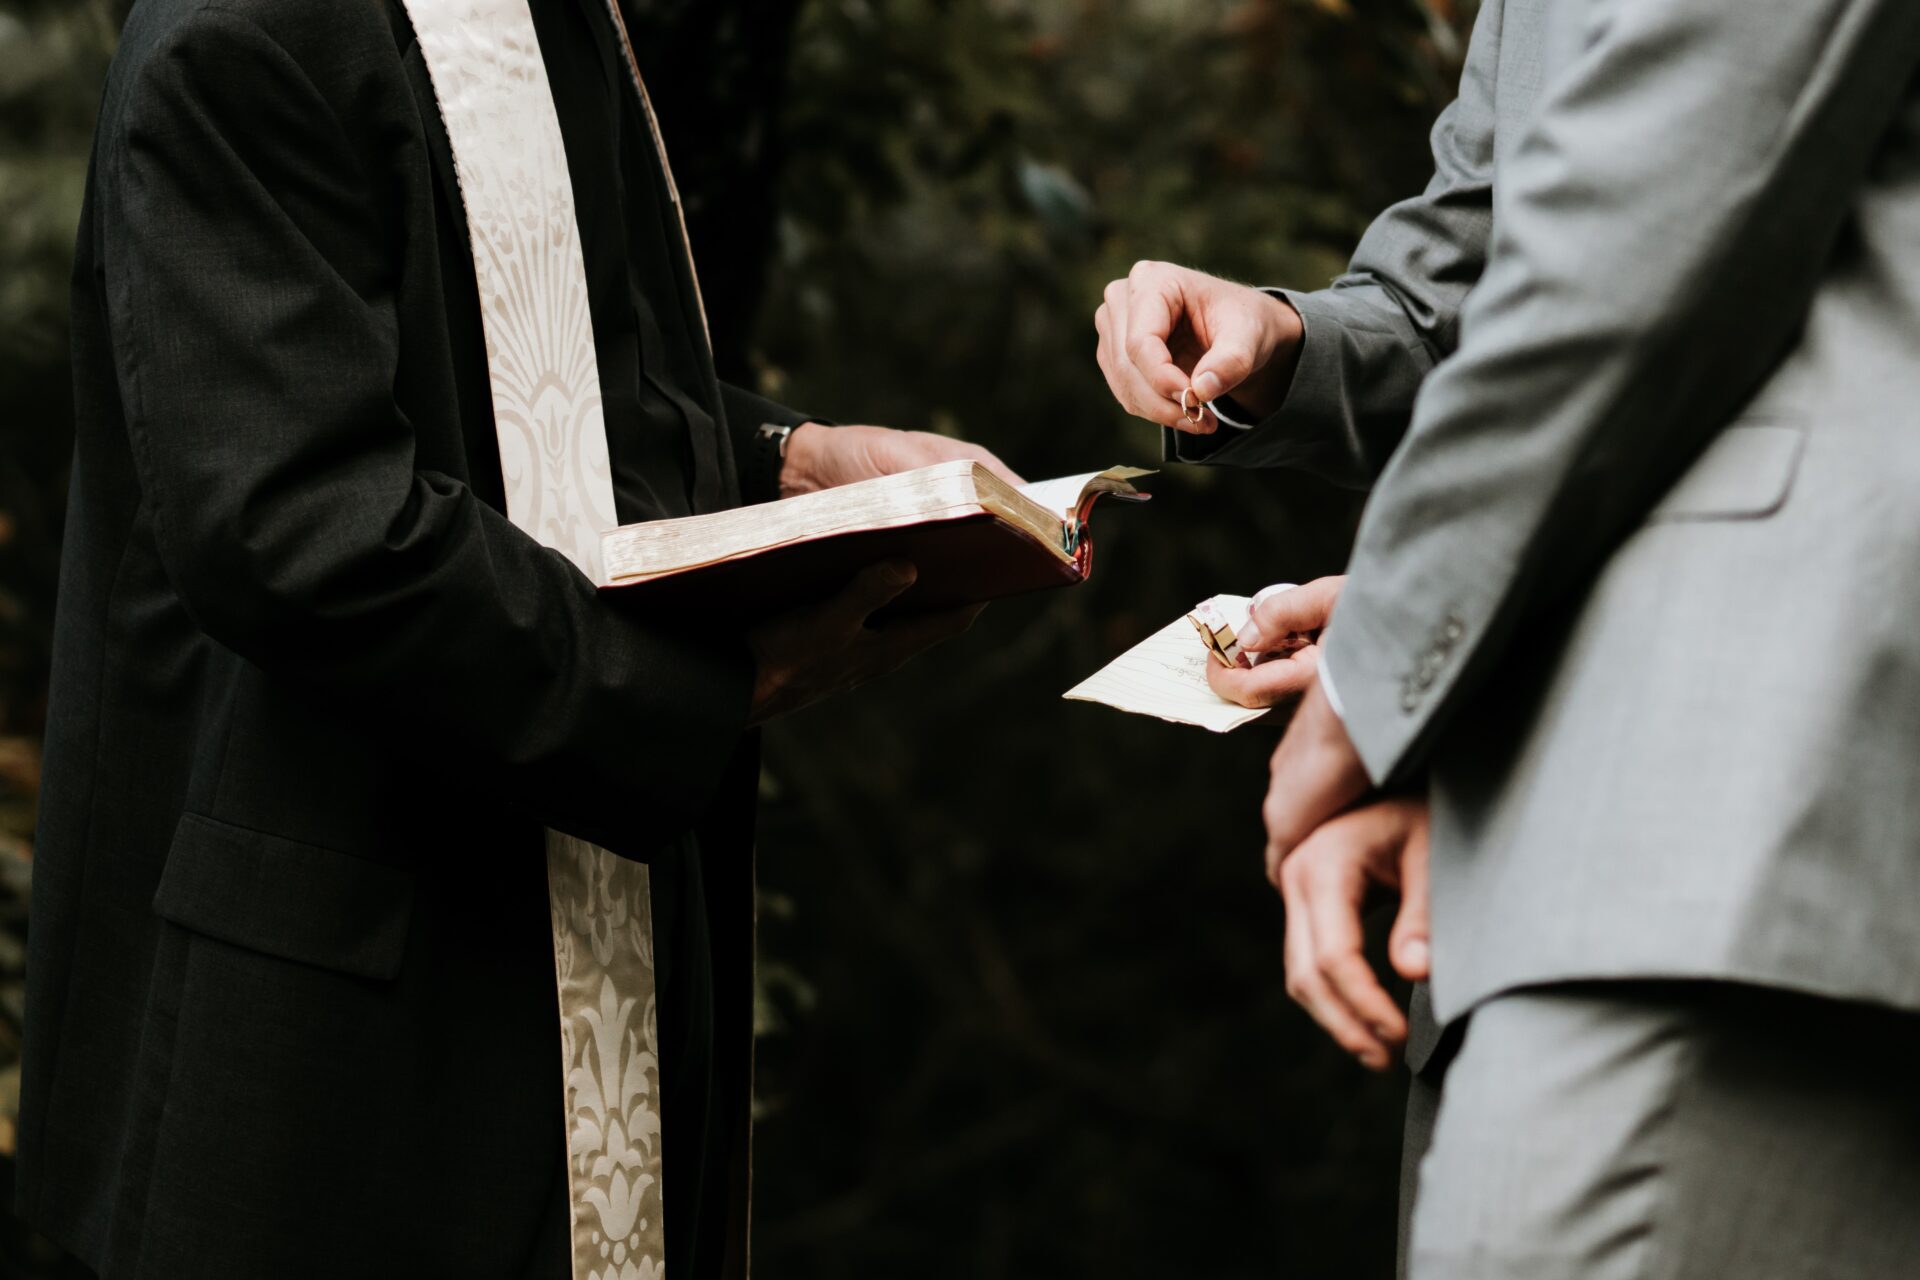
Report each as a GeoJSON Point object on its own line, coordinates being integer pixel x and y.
{"type": "Point", "coordinates": [1065, 496]}
{"type": "Point", "coordinates": [1165, 676]}
{"type": "Point", "coordinates": [944, 491]}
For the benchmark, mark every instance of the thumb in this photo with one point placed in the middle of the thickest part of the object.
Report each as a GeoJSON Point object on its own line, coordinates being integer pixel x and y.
{"type": "Point", "coordinates": [1228, 362]}
{"type": "Point", "coordinates": [1283, 613]}
{"type": "Point", "coordinates": [1410, 946]}
{"type": "Point", "coordinates": [875, 587]}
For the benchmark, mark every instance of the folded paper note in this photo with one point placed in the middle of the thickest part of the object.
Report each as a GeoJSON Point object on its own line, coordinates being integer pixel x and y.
{"type": "Point", "coordinates": [1165, 675]}
{"type": "Point", "coordinates": [971, 535]}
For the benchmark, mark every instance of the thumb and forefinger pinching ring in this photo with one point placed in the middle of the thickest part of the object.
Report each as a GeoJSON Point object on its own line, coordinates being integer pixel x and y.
{"type": "Point", "coordinates": [1192, 407]}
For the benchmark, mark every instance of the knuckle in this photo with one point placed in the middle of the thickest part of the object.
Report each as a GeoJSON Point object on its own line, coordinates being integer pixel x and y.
{"type": "Point", "coordinates": [1277, 874]}
{"type": "Point", "coordinates": [1314, 868]}
{"type": "Point", "coordinates": [1330, 967]}
{"type": "Point", "coordinates": [1292, 877]}
{"type": "Point", "coordinates": [1142, 269]}
{"type": "Point", "coordinates": [1274, 615]}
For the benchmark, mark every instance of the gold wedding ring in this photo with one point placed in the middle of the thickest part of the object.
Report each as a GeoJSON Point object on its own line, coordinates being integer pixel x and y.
{"type": "Point", "coordinates": [1192, 407]}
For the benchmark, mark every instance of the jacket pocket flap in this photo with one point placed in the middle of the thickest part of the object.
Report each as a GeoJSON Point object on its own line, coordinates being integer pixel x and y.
{"type": "Point", "coordinates": [1745, 474]}
{"type": "Point", "coordinates": [286, 898]}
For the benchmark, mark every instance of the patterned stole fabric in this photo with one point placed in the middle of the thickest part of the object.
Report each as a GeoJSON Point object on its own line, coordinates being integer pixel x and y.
{"type": "Point", "coordinates": [485, 63]}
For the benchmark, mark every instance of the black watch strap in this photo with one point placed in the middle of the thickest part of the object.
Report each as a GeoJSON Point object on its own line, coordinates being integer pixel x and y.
{"type": "Point", "coordinates": [769, 456]}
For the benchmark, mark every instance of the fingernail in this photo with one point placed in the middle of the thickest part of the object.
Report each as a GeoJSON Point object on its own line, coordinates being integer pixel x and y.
{"type": "Point", "coordinates": [1208, 386]}
{"type": "Point", "coordinates": [1417, 953]}
{"type": "Point", "coordinates": [1250, 638]}
{"type": "Point", "coordinates": [1264, 594]}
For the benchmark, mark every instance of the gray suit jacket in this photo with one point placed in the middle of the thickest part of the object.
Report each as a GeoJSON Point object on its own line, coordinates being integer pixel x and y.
{"type": "Point", "coordinates": [1637, 584]}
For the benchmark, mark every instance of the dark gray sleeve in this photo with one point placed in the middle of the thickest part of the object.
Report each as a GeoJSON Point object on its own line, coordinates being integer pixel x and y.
{"type": "Point", "coordinates": [1373, 336]}
{"type": "Point", "coordinates": [1662, 229]}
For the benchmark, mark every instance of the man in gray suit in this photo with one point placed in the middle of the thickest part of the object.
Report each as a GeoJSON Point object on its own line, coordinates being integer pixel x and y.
{"type": "Point", "coordinates": [1635, 597]}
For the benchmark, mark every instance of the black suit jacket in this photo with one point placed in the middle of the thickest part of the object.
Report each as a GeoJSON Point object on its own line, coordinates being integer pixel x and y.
{"type": "Point", "coordinates": [315, 698]}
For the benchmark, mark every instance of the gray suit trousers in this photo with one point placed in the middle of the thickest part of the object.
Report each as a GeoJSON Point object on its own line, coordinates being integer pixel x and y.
{"type": "Point", "coordinates": [1674, 1131]}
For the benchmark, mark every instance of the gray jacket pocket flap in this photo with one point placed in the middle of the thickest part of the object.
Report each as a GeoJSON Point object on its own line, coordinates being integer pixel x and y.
{"type": "Point", "coordinates": [286, 898]}
{"type": "Point", "coordinates": [1745, 474]}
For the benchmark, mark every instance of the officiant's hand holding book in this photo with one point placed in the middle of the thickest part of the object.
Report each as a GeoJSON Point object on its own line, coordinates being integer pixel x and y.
{"type": "Point", "coordinates": [812, 653]}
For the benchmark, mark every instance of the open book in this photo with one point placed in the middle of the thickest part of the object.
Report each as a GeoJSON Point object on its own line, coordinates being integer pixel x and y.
{"type": "Point", "coordinates": [971, 535]}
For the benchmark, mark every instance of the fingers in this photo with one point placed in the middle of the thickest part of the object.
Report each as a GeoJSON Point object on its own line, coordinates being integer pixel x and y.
{"type": "Point", "coordinates": [1303, 609]}
{"type": "Point", "coordinates": [1409, 947]}
{"type": "Point", "coordinates": [1233, 352]}
{"type": "Point", "coordinates": [1325, 885]}
{"type": "Point", "coordinates": [1135, 394]}
{"type": "Point", "coordinates": [872, 589]}
{"type": "Point", "coordinates": [990, 460]}
{"type": "Point", "coordinates": [1156, 304]}
{"type": "Point", "coordinates": [1305, 985]}
{"type": "Point", "coordinates": [911, 635]}
{"type": "Point", "coordinates": [1268, 684]}
{"type": "Point", "coordinates": [1359, 852]}
{"type": "Point", "coordinates": [1165, 329]}
{"type": "Point", "coordinates": [881, 651]}
{"type": "Point", "coordinates": [1316, 773]}
{"type": "Point", "coordinates": [926, 448]}
{"type": "Point", "coordinates": [827, 649]}
{"type": "Point", "coordinates": [1314, 962]}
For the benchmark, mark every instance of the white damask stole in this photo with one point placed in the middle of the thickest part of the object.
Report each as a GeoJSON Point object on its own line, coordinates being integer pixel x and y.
{"type": "Point", "coordinates": [484, 61]}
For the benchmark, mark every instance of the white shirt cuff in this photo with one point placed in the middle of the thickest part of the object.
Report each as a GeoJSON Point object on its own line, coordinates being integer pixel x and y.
{"type": "Point", "coordinates": [1333, 695]}
{"type": "Point", "coordinates": [1227, 419]}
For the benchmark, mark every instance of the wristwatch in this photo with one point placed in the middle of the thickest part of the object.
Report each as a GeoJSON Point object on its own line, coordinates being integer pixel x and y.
{"type": "Point", "coordinates": [769, 456]}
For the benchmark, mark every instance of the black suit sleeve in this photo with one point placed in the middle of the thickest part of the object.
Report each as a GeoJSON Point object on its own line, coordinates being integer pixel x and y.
{"type": "Point", "coordinates": [251, 263]}
{"type": "Point", "coordinates": [746, 413]}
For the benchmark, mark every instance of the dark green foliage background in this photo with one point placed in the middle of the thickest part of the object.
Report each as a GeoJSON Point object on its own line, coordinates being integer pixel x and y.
{"type": "Point", "coordinates": [1022, 1010]}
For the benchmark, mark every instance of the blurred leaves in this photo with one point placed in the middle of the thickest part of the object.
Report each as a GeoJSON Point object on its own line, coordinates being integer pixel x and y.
{"type": "Point", "coordinates": [1047, 1033]}
{"type": "Point", "coordinates": [53, 58]}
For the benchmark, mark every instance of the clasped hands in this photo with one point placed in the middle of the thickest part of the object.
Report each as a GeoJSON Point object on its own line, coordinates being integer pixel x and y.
{"type": "Point", "coordinates": [1333, 842]}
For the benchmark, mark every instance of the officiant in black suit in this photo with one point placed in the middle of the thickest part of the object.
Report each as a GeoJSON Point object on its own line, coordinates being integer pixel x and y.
{"type": "Point", "coordinates": [316, 698]}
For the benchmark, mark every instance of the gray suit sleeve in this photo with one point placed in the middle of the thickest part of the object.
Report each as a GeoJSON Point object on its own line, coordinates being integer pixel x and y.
{"type": "Point", "coordinates": [1373, 336]}
{"type": "Point", "coordinates": [1661, 230]}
